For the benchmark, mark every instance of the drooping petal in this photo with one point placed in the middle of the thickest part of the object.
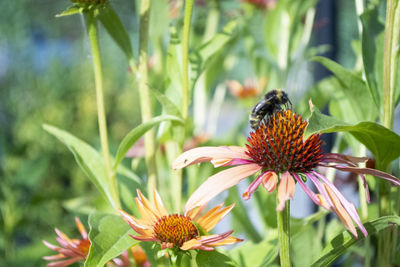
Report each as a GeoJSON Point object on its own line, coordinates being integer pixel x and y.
{"type": "Point", "coordinates": [349, 207]}
{"type": "Point", "coordinates": [220, 182]}
{"type": "Point", "coordinates": [148, 207]}
{"type": "Point", "coordinates": [204, 154]}
{"type": "Point", "coordinates": [286, 190]}
{"type": "Point", "coordinates": [339, 158]}
{"type": "Point", "coordinates": [341, 212]}
{"type": "Point", "coordinates": [64, 262]}
{"type": "Point", "coordinates": [359, 170]}
{"type": "Point", "coordinates": [269, 180]}
{"type": "Point", "coordinates": [314, 197]}
{"type": "Point", "coordinates": [227, 241]}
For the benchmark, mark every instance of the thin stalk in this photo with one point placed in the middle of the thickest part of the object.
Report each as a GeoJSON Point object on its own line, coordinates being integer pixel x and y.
{"type": "Point", "coordinates": [91, 24]}
{"type": "Point", "coordinates": [364, 208]}
{"type": "Point", "coordinates": [392, 31]}
{"type": "Point", "coordinates": [283, 218]}
{"type": "Point", "coordinates": [144, 93]}
{"type": "Point", "coordinates": [185, 56]}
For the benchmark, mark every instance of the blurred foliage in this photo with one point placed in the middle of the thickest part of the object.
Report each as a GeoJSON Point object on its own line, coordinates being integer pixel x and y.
{"type": "Point", "coordinates": [46, 76]}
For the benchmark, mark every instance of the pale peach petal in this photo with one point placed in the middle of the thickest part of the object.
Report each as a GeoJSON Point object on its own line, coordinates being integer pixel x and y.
{"type": "Point", "coordinates": [203, 154]}
{"type": "Point", "coordinates": [269, 181]}
{"type": "Point", "coordinates": [220, 182]}
{"type": "Point", "coordinates": [54, 257]}
{"type": "Point", "coordinates": [148, 206]}
{"type": "Point", "coordinates": [210, 239]}
{"type": "Point", "coordinates": [228, 241]}
{"type": "Point", "coordinates": [64, 263]}
{"type": "Point", "coordinates": [141, 229]}
{"type": "Point", "coordinates": [147, 215]}
{"type": "Point", "coordinates": [286, 190]}
{"type": "Point", "coordinates": [220, 162]}
{"type": "Point", "coordinates": [323, 202]}
{"type": "Point", "coordinates": [81, 228]}
{"type": "Point", "coordinates": [341, 212]}
{"type": "Point", "coordinates": [194, 212]}
{"type": "Point", "coordinates": [159, 204]}
{"type": "Point", "coordinates": [191, 244]}
{"type": "Point", "coordinates": [209, 221]}
{"type": "Point", "coordinates": [50, 246]}
{"type": "Point", "coordinates": [62, 235]}
{"type": "Point", "coordinates": [254, 185]}
{"type": "Point", "coordinates": [201, 219]}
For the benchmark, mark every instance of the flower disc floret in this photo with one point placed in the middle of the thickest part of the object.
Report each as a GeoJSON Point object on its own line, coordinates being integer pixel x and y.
{"type": "Point", "coordinates": [175, 229]}
{"type": "Point", "coordinates": [278, 144]}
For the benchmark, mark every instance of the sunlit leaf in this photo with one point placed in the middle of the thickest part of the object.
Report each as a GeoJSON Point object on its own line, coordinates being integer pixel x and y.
{"type": "Point", "coordinates": [134, 135]}
{"type": "Point", "coordinates": [257, 254]}
{"type": "Point", "coordinates": [213, 258]}
{"type": "Point", "coordinates": [338, 245]}
{"type": "Point", "coordinates": [355, 90]}
{"type": "Point", "coordinates": [88, 158]}
{"type": "Point", "coordinates": [116, 29]}
{"type": "Point", "coordinates": [383, 143]}
{"type": "Point", "coordinates": [109, 235]}
{"type": "Point", "coordinates": [70, 11]}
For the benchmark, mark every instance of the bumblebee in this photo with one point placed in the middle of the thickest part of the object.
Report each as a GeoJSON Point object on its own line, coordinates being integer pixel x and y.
{"type": "Point", "coordinates": [270, 104]}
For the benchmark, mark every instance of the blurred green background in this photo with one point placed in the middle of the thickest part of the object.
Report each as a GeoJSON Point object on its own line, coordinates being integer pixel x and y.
{"type": "Point", "coordinates": [46, 77]}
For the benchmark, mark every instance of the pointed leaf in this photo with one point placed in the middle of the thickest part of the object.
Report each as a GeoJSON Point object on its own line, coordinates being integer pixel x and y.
{"type": "Point", "coordinates": [116, 29]}
{"type": "Point", "coordinates": [169, 107]}
{"type": "Point", "coordinates": [200, 57]}
{"type": "Point", "coordinates": [89, 159]}
{"type": "Point", "coordinates": [383, 143]}
{"type": "Point", "coordinates": [109, 235]}
{"type": "Point", "coordinates": [338, 245]}
{"type": "Point", "coordinates": [257, 254]}
{"type": "Point", "coordinates": [371, 28]}
{"type": "Point", "coordinates": [213, 258]}
{"type": "Point", "coordinates": [71, 10]}
{"type": "Point", "coordinates": [134, 135]}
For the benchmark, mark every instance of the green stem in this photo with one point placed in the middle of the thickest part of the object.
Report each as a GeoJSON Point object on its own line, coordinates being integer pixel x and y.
{"type": "Point", "coordinates": [144, 92]}
{"type": "Point", "coordinates": [364, 208]}
{"type": "Point", "coordinates": [392, 31]}
{"type": "Point", "coordinates": [91, 23]}
{"type": "Point", "coordinates": [185, 56]}
{"type": "Point", "coordinates": [284, 234]}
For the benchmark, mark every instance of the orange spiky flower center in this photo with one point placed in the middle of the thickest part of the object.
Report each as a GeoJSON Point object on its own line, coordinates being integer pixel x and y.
{"type": "Point", "coordinates": [278, 144]}
{"type": "Point", "coordinates": [83, 246]}
{"type": "Point", "coordinates": [175, 229]}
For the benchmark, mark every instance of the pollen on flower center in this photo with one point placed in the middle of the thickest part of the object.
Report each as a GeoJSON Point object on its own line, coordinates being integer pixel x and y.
{"type": "Point", "coordinates": [175, 229]}
{"type": "Point", "coordinates": [278, 144]}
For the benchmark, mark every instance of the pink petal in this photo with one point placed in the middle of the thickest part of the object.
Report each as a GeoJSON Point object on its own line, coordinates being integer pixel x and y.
{"type": "Point", "coordinates": [63, 263]}
{"type": "Point", "coordinates": [203, 154]}
{"type": "Point", "coordinates": [349, 207]}
{"type": "Point", "coordinates": [220, 182]}
{"type": "Point", "coordinates": [286, 190]}
{"type": "Point", "coordinates": [269, 180]}
{"type": "Point", "coordinates": [307, 190]}
{"type": "Point", "coordinates": [370, 171]}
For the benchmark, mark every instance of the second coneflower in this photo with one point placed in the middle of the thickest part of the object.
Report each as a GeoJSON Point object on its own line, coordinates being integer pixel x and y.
{"type": "Point", "coordinates": [183, 232]}
{"type": "Point", "coordinates": [278, 150]}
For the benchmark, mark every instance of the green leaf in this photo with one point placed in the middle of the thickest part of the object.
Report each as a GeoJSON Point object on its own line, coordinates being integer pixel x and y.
{"type": "Point", "coordinates": [383, 143]}
{"type": "Point", "coordinates": [201, 56]}
{"type": "Point", "coordinates": [213, 258]}
{"type": "Point", "coordinates": [338, 245]}
{"type": "Point", "coordinates": [109, 235]}
{"type": "Point", "coordinates": [169, 106]}
{"type": "Point", "coordinates": [87, 158]}
{"type": "Point", "coordinates": [371, 28]}
{"type": "Point", "coordinates": [356, 90]}
{"type": "Point", "coordinates": [252, 254]}
{"type": "Point", "coordinates": [134, 135]}
{"type": "Point", "coordinates": [305, 246]}
{"type": "Point", "coordinates": [71, 10]}
{"type": "Point", "coordinates": [116, 29]}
